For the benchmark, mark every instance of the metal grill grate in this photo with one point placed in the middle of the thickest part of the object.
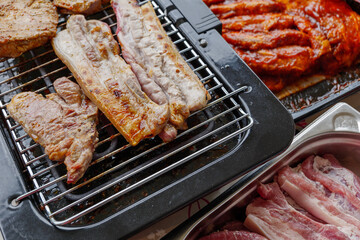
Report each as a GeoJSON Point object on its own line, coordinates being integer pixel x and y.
{"type": "Point", "coordinates": [120, 175]}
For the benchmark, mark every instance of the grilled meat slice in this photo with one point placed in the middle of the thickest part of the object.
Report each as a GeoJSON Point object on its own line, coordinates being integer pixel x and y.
{"type": "Point", "coordinates": [141, 49]}
{"type": "Point", "coordinates": [80, 6]}
{"type": "Point", "coordinates": [25, 24]}
{"type": "Point", "coordinates": [153, 56]}
{"type": "Point", "coordinates": [92, 54]}
{"type": "Point", "coordinates": [64, 123]}
{"type": "Point", "coordinates": [175, 67]}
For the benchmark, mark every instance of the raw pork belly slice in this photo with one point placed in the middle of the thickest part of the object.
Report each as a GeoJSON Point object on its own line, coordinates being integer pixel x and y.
{"type": "Point", "coordinates": [64, 123]}
{"type": "Point", "coordinates": [163, 74]}
{"type": "Point", "coordinates": [233, 235]}
{"type": "Point", "coordinates": [328, 171]}
{"type": "Point", "coordinates": [274, 218]}
{"type": "Point", "coordinates": [330, 207]}
{"type": "Point", "coordinates": [92, 54]}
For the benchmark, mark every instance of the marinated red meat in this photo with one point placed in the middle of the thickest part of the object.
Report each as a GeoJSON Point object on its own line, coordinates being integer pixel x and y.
{"type": "Point", "coordinates": [329, 29]}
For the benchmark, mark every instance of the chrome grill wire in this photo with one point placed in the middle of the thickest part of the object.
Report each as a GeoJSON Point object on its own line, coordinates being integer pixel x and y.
{"type": "Point", "coordinates": [191, 57]}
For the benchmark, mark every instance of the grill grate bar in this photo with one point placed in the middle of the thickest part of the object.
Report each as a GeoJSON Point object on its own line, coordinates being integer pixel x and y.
{"type": "Point", "coordinates": [107, 139]}
{"type": "Point", "coordinates": [35, 159]}
{"type": "Point", "coordinates": [28, 71]}
{"type": "Point", "coordinates": [24, 62]}
{"type": "Point", "coordinates": [185, 50]}
{"type": "Point", "coordinates": [29, 148]}
{"type": "Point", "coordinates": [32, 81]}
{"type": "Point", "coordinates": [44, 170]}
{"type": "Point", "coordinates": [38, 188]}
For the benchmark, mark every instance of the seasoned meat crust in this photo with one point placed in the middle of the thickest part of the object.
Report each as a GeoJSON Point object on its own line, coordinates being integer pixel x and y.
{"type": "Point", "coordinates": [25, 24]}
{"type": "Point", "coordinates": [92, 54]}
{"type": "Point", "coordinates": [80, 6]}
{"type": "Point", "coordinates": [282, 40]}
{"type": "Point", "coordinates": [64, 123]}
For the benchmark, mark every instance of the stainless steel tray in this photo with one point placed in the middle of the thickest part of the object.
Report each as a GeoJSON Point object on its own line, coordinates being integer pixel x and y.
{"type": "Point", "coordinates": [337, 132]}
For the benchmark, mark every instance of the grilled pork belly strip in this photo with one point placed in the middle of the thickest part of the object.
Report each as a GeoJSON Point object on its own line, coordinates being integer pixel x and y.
{"type": "Point", "coordinates": [25, 24]}
{"type": "Point", "coordinates": [92, 54]}
{"type": "Point", "coordinates": [145, 55]}
{"type": "Point", "coordinates": [152, 55]}
{"type": "Point", "coordinates": [175, 67]}
{"type": "Point", "coordinates": [64, 123]}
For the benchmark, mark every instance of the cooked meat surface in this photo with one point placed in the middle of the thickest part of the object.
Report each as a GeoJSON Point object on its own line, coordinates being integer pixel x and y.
{"type": "Point", "coordinates": [80, 6]}
{"type": "Point", "coordinates": [163, 74]}
{"type": "Point", "coordinates": [64, 123]}
{"type": "Point", "coordinates": [92, 54]}
{"type": "Point", "coordinates": [25, 24]}
{"type": "Point", "coordinates": [261, 30]}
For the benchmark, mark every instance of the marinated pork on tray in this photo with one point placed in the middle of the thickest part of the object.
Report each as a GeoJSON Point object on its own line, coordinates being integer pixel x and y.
{"type": "Point", "coordinates": [80, 6]}
{"type": "Point", "coordinates": [25, 24]}
{"type": "Point", "coordinates": [162, 73]}
{"type": "Point", "coordinates": [283, 40]}
{"type": "Point", "coordinates": [92, 54]}
{"type": "Point", "coordinates": [64, 123]}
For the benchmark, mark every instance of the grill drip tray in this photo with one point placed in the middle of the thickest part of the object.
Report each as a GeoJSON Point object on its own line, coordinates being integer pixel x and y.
{"type": "Point", "coordinates": [127, 188]}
